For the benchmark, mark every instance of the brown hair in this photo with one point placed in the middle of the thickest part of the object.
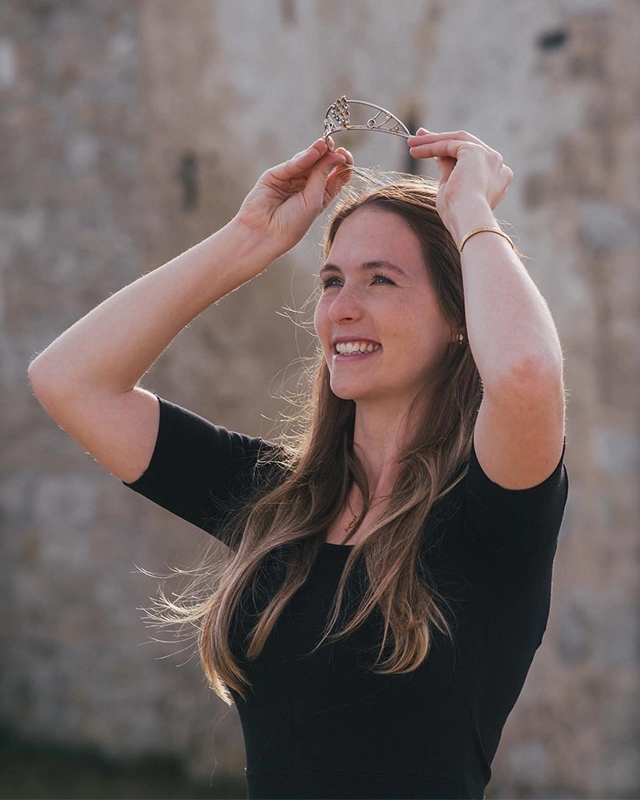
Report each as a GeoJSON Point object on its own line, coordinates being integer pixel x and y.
{"type": "Point", "coordinates": [318, 472]}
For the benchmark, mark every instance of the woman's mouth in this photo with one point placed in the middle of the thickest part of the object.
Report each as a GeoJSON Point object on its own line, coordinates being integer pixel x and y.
{"type": "Point", "coordinates": [355, 350]}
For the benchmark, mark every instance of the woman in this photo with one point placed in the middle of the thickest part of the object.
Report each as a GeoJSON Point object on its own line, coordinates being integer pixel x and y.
{"type": "Point", "coordinates": [389, 580]}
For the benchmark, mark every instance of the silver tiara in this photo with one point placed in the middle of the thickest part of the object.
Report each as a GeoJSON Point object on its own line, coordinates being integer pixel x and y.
{"type": "Point", "coordinates": [338, 118]}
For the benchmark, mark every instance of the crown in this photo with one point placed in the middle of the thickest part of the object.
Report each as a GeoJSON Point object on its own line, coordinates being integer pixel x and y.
{"type": "Point", "coordinates": [338, 118]}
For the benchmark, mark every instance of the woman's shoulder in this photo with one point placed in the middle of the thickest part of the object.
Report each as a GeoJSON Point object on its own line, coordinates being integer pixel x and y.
{"type": "Point", "coordinates": [522, 519]}
{"type": "Point", "coordinates": [199, 469]}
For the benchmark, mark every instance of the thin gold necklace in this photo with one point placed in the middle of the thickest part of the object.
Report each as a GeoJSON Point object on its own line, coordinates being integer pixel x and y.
{"type": "Point", "coordinates": [355, 516]}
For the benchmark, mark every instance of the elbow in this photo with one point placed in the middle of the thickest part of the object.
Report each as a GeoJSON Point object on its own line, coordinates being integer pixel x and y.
{"type": "Point", "coordinates": [527, 372]}
{"type": "Point", "coordinates": [33, 375]}
{"type": "Point", "coordinates": [547, 359]}
{"type": "Point", "coordinates": [534, 374]}
{"type": "Point", "coordinates": [46, 391]}
{"type": "Point", "coordinates": [536, 368]}
{"type": "Point", "coordinates": [40, 379]}
{"type": "Point", "coordinates": [33, 372]}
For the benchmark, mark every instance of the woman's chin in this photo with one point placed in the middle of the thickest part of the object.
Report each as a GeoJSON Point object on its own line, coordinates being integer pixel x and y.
{"type": "Point", "coordinates": [344, 392]}
{"type": "Point", "coordinates": [347, 391]}
{"type": "Point", "coordinates": [342, 395]}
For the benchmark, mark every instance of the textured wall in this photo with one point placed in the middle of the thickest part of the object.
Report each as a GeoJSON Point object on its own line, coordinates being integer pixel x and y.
{"type": "Point", "coordinates": [135, 129]}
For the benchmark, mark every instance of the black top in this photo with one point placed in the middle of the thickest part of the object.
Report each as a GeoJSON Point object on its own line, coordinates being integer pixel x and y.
{"type": "Point", "coordinates": [323, 726]}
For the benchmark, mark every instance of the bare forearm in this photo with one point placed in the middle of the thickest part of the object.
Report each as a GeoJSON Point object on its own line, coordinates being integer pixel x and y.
{"type": "Point", "coordinates": [116, 343]}
{"type": "Point", "coordinates": [509, 325]}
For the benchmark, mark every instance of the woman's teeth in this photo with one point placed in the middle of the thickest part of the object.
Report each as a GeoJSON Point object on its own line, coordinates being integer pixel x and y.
{"type": "Point", "coordinates": [352, 348]}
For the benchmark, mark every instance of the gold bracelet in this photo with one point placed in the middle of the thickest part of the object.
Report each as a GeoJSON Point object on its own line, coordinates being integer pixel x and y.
{"type": "Point", "coordinates": [481, 230]}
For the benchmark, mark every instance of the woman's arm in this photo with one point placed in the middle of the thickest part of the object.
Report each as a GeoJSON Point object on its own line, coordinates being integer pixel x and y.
{"type": "Point", "coordinates": [112, 347]}
{"type": "Point", "coordinates": [520, 428]}
{"type": "Point", "coordinates": [86, 379]}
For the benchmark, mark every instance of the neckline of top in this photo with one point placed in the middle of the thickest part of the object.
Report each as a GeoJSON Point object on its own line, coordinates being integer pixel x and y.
{"type": "Point", "coordinates": [335, 544]}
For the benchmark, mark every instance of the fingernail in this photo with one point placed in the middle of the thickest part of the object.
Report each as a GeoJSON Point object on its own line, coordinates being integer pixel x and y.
{"type": "Point", "coordinates": [422, 130]}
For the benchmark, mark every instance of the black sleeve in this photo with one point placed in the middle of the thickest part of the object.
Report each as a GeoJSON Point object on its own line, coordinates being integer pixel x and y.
{"type": "Point", "coordinates": [514, 533]}
{"type": "Point", "coordinates": [515, 521]}
{"type": "Point", "coordinates": [201, 471]}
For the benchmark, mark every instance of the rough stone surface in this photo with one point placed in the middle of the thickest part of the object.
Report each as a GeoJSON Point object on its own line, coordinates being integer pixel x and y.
{"type": "Point", "coordinates": [134, 130]}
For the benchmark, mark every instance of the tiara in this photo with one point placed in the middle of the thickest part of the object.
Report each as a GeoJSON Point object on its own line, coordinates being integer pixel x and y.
{"type": "Point", "coordinates": [338, 118]}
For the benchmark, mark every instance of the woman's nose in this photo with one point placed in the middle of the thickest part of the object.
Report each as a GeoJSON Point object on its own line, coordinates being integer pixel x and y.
{"type": "Point", "coordinates": [345, 306]}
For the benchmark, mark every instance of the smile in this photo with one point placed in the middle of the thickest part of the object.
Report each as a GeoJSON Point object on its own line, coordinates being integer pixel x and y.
{"type": "Point", "coordinates": [355, 348]}
{"type": "Point", "coordinates": [354, 352]}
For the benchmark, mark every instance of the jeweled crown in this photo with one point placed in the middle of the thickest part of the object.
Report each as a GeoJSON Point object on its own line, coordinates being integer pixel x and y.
{"type": "Point", "coordinates": [338, 118]}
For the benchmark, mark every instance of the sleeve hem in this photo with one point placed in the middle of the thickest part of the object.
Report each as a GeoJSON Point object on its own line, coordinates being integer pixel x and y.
{"type": "Point", "coordinates": [164, 421]}
{"type": "Point", "coordinates": [548, 480]}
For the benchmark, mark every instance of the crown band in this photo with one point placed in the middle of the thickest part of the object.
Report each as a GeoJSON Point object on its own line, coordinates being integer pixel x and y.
{"type": "Point", "coordinates": [338, 118]}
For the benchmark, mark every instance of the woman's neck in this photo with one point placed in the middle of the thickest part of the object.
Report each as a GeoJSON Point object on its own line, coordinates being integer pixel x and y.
{"type": "Point", "coordinates": [378, 438]}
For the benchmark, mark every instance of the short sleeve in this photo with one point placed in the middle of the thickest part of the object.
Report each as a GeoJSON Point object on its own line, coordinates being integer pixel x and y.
{"type": "Point", "coordinates": [201, 471]}
{"type": "Point", "coordinates": [515, 520]}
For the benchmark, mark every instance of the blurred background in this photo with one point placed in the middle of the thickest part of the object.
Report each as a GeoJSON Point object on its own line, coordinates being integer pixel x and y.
{"type": "Point", "coordinates": [132, 130]}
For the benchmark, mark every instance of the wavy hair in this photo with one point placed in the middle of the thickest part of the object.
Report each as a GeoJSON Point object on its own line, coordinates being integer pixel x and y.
{"type": "Point", "coordinates": [287, 522]}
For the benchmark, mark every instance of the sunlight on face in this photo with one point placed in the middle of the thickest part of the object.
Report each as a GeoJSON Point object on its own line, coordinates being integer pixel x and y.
{"type": "Point", "coordinates": [378, 319]}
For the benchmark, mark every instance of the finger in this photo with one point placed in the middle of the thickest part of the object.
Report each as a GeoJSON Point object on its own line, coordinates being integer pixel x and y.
{"type": "Point", "coordinates": [347, 154]}
{"type": "Point", "coordinates": [321, 180]}
{"type": "Point", "coordinates": [328, 165]}
{"type": "Point", "coordinates": [423, 135]}
{"type": "Point", "coordinates": [337, 180]}
{"type": "Point", "coordinates": [448, 148]}
{"type": "Point", "coordinates": [321, 170]}
{"type": "Point", "coordinates": [301, 162]}
{"type": "Point", "coordinates": [445, 168]}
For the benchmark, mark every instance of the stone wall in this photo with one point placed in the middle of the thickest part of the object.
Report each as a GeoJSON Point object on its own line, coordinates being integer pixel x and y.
{"type": "Point", "coordinates": [135, 129]}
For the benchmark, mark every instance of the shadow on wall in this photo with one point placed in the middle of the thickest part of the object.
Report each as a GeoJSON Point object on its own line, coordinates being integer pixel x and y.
{"type": "Point", "coordinates": [43, 771]}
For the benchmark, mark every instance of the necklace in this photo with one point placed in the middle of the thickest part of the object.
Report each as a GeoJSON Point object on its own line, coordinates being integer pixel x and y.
{"type": "Point", "coordinates": [351, 525]}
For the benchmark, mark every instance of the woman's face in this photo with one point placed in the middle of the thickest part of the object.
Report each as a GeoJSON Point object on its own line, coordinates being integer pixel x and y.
{"type": "Point", "coordinates": [378, 319]}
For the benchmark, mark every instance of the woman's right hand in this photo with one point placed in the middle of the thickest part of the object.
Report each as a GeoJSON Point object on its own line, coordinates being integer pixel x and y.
{"type": "Point", "coordinates": [286, 199]}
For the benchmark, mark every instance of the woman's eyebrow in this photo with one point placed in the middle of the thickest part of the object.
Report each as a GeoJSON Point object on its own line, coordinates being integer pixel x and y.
{"type": "Point", "coordinates": [367, 266]}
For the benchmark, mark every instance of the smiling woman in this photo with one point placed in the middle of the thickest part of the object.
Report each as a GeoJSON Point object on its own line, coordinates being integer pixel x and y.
{"type": "Point", "coordinates": [432, 444]}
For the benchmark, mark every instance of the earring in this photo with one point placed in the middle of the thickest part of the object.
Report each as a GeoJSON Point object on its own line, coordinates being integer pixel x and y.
{"type": "Point", "coordinates": [460, 338]}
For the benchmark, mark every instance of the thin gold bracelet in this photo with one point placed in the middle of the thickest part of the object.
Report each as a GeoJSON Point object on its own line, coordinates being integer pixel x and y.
{"type": "Point", "coordinates": [481, 230]}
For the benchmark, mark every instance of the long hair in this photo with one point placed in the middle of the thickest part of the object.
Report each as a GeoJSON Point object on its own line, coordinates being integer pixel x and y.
{"type": "Point", "coordinates": [287, 523]}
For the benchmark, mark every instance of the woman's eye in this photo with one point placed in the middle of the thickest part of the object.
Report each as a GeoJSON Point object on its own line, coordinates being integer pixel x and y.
{"type": "Point", "coordinates": [327, 282]}
{"type": "Point", "coordinates": [382, 278]}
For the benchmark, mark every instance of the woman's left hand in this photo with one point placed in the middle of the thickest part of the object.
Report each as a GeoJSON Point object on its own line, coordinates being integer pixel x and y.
{"type": "Point", "coordinates": [473, 177]}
